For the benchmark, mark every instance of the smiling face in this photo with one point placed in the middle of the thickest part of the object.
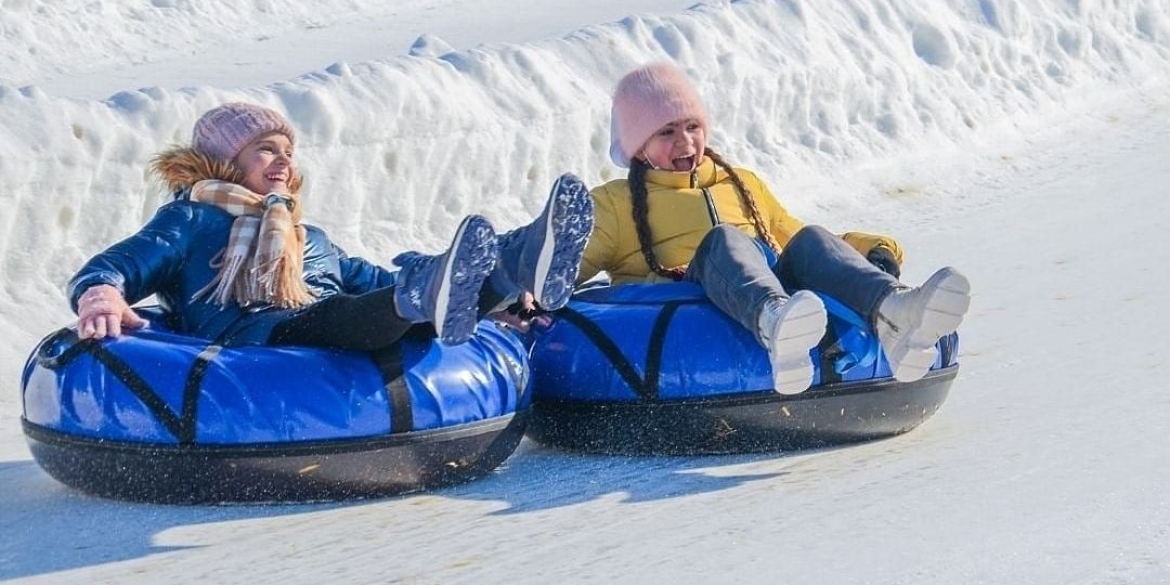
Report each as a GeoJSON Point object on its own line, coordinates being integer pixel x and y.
{"type": "Point", "coordinates": [267, 164]}
{"type": "Point", "coordinates": [677, 146]}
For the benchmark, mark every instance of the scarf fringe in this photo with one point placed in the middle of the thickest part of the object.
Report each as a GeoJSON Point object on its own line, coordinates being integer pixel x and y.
{"type": "Point", "coordinates": [263, 261]}
{"type": "Point", "coordinates": [219, 290]}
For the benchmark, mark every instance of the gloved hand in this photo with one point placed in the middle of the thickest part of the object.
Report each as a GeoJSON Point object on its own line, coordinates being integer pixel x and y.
{"type": "Point", "coordinates": [102, 311]}
{"type": "Point", "coordinates": [521, 314]}
{"type": "Point", "coordinates": [884, 259]}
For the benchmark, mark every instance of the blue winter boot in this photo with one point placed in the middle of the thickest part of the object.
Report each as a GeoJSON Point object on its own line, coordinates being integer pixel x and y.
{"type": "Point", "coordinates": [444, 289]}
{"type": "Point", "coordinates": [543, 257]}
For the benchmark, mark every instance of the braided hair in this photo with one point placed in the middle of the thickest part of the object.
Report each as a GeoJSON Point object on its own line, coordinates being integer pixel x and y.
{"type": "Point", "coordinates": [640, 196]}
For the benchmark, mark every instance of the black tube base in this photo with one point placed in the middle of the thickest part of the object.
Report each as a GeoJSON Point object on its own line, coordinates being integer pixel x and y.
{"type": "Point", "coordinates": [822, 416]}
{"type": "Point", "coordinates": [295, 472]}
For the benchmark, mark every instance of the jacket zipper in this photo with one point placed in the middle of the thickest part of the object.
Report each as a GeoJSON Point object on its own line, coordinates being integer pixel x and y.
{"type": "Point", "coordinates": [711, 211]}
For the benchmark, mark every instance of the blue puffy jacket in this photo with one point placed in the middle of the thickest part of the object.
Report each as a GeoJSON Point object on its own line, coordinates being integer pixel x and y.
{"type": "Point", "coordinates": [171, 257]}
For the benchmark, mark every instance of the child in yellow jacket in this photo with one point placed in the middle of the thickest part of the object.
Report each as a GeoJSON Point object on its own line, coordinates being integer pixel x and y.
{"type": "Point", "coordinates": [684, 213]}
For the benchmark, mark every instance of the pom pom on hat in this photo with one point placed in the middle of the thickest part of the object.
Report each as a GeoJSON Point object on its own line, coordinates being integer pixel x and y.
{"type": "Point", "coordinates": [647, 99]}
{"type": "Point", "coordinates": [224, 131]}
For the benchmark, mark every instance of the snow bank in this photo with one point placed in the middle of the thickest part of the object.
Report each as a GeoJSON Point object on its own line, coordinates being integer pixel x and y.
{"type": "Point", "coordinates": [45, 38]}
{"type": "Point", "coordinates": [396, 150]}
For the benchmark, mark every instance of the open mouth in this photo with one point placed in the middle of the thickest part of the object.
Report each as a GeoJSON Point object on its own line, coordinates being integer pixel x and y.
{"type": "Point", "coordinates": [684, 163]}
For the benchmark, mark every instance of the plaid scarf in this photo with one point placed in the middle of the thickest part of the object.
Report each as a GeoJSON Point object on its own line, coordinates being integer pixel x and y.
{"type": "Point", "coordinates": [263, 262]}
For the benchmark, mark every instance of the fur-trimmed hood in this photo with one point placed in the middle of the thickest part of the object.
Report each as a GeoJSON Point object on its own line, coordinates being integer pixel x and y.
{"type": "Point", "coordinates": [180, 167]}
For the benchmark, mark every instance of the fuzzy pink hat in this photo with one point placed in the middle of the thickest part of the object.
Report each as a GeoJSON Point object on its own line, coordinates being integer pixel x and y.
{"type": "Point", "coordinates": [224, 131]}
{"type": "Point", "coordinates": [647, 99]}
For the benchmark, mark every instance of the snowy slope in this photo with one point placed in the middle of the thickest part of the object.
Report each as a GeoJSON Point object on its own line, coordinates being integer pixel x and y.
{"type": "Point", "coordinates": [1023, 141]}
{"type": "Point", "coordinates": [185, 43]}
{"type": "Point", "coordinates": [798, 94]}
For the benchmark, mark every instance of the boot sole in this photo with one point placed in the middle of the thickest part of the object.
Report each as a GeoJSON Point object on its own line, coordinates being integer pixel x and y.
{"type": "Point", "coordinates": [947, 298]}
{"type": "Point", "coordinates": [800, 328]}
{"type": "Point", "coordinates": [568, 223]}
{"type": "Point", "coordinates": [471, 257]}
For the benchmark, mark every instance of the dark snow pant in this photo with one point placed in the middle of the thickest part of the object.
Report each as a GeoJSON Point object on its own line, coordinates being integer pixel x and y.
{"type": "Point", "coordinates": [364, 322]}
{"type": "Point", "coordinates": [368, 321]}
{"type": "Point", "coordinates": [733, 269]}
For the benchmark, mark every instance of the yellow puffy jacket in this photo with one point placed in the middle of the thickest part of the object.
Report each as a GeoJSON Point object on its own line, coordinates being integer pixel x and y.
{"type": "Point", "coordinates": [679, 218]}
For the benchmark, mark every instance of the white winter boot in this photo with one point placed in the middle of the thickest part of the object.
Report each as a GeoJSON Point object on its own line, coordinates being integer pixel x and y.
{"type": "Point", "coordinates": [789, 329]}
{"type": "Point", "coordinates": [910, 321]}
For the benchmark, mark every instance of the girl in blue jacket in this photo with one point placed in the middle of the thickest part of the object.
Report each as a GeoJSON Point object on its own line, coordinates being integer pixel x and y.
{"type": "Point", "coordinates": [231, 261]}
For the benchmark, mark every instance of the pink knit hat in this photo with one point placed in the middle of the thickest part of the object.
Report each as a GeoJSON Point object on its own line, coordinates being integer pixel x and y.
{"type": "Point", "coordinates": [647, 99]}
{"type": "Point", "coordinates": [224, 131]}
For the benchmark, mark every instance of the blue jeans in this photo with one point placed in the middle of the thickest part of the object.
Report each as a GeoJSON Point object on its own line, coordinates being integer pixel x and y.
{"type": "Point", "coordinates": [734, 270]}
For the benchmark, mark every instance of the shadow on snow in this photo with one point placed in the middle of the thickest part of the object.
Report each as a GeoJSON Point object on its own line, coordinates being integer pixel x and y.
{"type": "Point", "coordinates": [49, 527]}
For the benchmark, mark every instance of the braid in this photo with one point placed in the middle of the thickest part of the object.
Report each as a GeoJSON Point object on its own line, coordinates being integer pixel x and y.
{"type": "Point", "coordinates": [639, 196]}
{"type": "Point", "coordinates": [748, 199]}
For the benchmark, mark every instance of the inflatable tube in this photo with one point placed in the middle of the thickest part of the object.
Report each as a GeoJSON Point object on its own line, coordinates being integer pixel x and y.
{"type": "Point", "coordinates": [157, 416]}
{"type": "Point", "coordinates": [659, 369]}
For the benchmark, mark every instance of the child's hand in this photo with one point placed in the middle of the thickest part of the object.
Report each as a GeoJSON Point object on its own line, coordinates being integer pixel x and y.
{"type": "Point", "coordinates": [521, 314]}
{"type": "Point", "coordinates": [102, 311]}
{"type": "Point", "coordinates": [884, 259]}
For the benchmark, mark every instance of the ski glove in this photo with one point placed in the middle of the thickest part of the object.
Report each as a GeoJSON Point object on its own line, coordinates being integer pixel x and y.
{"type": "Point", "coordinates": [884, 259]}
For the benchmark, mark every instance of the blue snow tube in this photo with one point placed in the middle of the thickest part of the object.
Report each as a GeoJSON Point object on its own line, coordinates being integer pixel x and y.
{"type": "Point", "coordinates": [158, 416]}
{"type": "Point", "coordinates": [659, 369]}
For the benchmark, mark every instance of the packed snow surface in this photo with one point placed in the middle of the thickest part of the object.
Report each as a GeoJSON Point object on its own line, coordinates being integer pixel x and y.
{"type": "Point", "coordinates": [1023, 141]}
